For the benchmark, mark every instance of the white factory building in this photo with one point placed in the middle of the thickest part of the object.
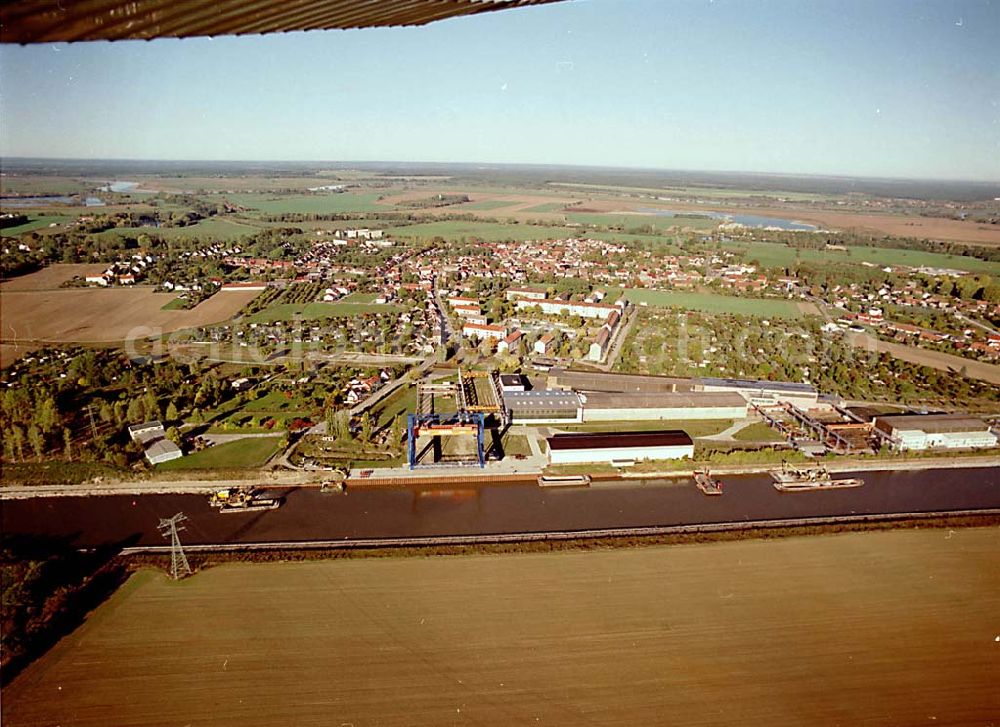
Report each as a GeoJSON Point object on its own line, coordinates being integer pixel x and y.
{"type": "Point", "coordinates": [937, 431]}
{"type": "Point", "coordinates": [643, 406]}
{"type": "Point", "coordinates": [620, 448]}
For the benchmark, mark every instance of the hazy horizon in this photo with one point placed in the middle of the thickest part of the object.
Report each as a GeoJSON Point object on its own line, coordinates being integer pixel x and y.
{"type": "Point", "coordinates": [893, 90]}
{"type": "Point", "coordinates": [485, 164]}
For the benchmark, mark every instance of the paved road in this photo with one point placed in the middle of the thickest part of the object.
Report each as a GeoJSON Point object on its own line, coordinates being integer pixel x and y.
{"type": "Point", "coordinates": [726, 435]}
{"type": "Point", "coordinates": [974, 322]}
{"type": "Point", "coordinates": [223, 438]}
{"type": "Point", "coordinates": [623, 334]}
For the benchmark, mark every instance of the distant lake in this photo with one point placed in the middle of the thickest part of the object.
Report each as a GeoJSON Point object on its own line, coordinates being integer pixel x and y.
{"type": "Point", "coordinates": [36, 201]}
{"type": "Point", "coordinates": [18, 202]}
{"type": "Point", "coordinates": [119, 186]}
{"type": "Point", "coordinates": [748, 220]}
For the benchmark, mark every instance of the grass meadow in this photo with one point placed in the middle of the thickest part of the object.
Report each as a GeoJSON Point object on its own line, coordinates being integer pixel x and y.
{"type": "Point", "coordinates": [240, 454]}
{"type": "Point", "coordinates": [714, 303]}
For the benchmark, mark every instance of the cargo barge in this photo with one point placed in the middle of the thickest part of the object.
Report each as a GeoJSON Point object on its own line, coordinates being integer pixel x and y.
{"type": "Point", "coordinates": [235, 499]}
{"type": "Point", "coordinates": [706, 483]}
{"type": "Point", "coordinates": [564, 480]}
{"type": "Point", "coordinates": [808, 479]}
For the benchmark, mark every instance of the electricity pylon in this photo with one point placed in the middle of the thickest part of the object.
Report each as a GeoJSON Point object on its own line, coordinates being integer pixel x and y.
{"type": "Point", "coordinates": [170, 528]}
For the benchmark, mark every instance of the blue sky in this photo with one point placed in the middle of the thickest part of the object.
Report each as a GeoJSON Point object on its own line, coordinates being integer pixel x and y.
{"type": "Point", "coordinates": [868, 87]}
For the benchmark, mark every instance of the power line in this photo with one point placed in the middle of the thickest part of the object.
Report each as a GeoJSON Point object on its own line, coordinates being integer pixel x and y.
{"type": "Point", "coordinates": [170, 528]}
{"type": "Point", "coordinates": [93, 426]}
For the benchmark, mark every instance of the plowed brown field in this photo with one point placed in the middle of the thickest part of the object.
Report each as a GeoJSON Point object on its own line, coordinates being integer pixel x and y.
{"type": "Point", "coordinates": [34, 309]}
{"type": "Point", "coordinates": [882, 628]}
{"type": "Point", "coordinates": [51, 277]}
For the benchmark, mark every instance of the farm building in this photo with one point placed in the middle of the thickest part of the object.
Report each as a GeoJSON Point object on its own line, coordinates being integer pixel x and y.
{"type": "Point", "coordinates": [163, 450]}
{"type": "Point", "coordinates": [543, 406]}
{"type": "Point", "coordinates": [636, 406]}
{"type": "Point", "coordinates": [619, 447]}
{"type": "Point", "coordinates": [933, 431]}
{"type": "Point", "coordinates": [154, 441]}
{"type": "Point", "coordinates": [146, 431]}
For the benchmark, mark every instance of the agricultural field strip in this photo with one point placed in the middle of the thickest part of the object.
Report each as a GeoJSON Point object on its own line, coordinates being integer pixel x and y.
{"type": "Point", "coordinates": [105, 315]}
{"type": "Point", "coordinates": [563, 638]}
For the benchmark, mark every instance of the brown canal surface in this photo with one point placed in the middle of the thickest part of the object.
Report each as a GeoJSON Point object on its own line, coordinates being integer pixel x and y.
{"type": "Point", "coordinates": [308, 514]}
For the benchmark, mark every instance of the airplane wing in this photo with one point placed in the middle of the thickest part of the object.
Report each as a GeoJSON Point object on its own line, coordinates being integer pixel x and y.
{"type": "Point", "coordinates": [42, 21]}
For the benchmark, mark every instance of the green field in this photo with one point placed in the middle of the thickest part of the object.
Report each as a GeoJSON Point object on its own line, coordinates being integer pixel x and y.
{"type": "Point", "coordinates": [275, 402]}
{"type": "Point", "coordinates": [660, 222]}
{"type": "Point", "coordinates": [548, 207]}
{"type": "Point", "coordinates": [491, 231]}
{"type": "Point", "coordinates": [310, 204]}
{"type": "Point", "coordinates": [176, 304]}
{"type": "Point", "coordinates": [356, 298]}
{"type": "Point", "coordinates": [37, 184]}
{"type": "Point", "coordinates": [212, 228]}
{"type": "Point", "coordinates": [516, 445]}
{"type": "Point", "coordinates": [240, 454]}
{"type": "Point", "coordinates": [490, 204]}
{"type": "Point", "coordinates": [714, 303]}
{"type": "Point", "coordinates": [313, 311]}
{"type": "Point", "coordinates": [494, 231]}
{"type": "Point", "coordinates": [776, 255]}
{"type": "Point", "coordinates": [232, 416]}
{"type": "Point", "coordinates": [35, 222]}
{"type": "Point", "coordinates": [758, 432]}
{"type": "Point", "coordinates": [403, 402]}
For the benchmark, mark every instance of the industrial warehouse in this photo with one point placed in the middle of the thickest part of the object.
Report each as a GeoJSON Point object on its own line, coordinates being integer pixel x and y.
{"type": "Point", "coordinates": [936, 431]}
{"type": "Point", "coordinates": [483, 405]}
{"type": "Point", "coordinates": [623, 448]}
{"type": "Point", "coordinates": [640, 406]}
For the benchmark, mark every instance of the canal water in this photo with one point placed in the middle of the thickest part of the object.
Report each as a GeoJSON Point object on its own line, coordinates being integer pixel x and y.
{"type": "Point", "coordinates": [373, 513]}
